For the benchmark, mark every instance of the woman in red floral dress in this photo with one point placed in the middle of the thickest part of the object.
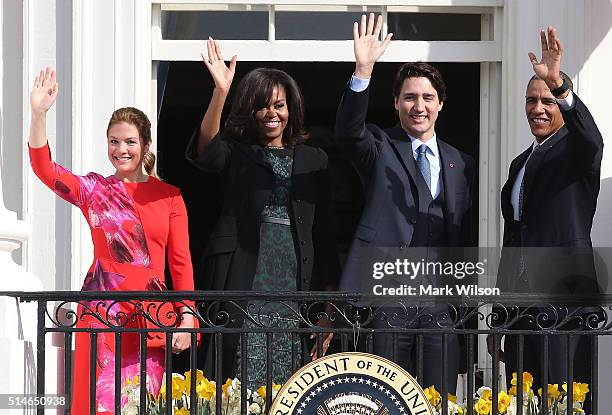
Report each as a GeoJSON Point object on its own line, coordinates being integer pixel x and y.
{"type": "Point", "coordinates": [135, 219]}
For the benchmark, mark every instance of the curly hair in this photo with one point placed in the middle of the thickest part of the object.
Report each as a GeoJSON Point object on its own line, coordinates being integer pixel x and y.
{"type": "Point", "coordinates": [254, 92]}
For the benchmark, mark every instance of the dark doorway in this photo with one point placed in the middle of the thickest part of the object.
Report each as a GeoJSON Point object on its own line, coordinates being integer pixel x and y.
{"type": "Point", "coordinates": [188, 88]}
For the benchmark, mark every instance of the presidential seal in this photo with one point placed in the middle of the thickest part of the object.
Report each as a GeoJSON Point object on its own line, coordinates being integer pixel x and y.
{"type": "Point", "coordinates": [351, 384]}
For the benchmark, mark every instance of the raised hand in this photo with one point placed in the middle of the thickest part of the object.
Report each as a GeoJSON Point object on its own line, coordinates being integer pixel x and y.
{"type": "Point", "coordinates": [222, 74]}
{"type": "Point", "coordinates": [44, 91]}
{"type": "Point", "coordinates": [548, 68]}
{"type": "Point", "coordinates": [367, 46]}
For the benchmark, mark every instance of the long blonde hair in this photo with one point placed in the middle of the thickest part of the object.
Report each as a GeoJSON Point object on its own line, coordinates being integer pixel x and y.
{"type": "Point", "coordinates": [139, 120]}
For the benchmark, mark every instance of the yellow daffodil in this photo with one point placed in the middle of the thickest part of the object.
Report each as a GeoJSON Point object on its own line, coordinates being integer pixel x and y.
{"type": "Point", "coordinates": [512, 391]}
{"type": "Point", "coordinates": [182, 411]}
{"type": "Point", "coordinates": [199, 376]}
{"type": "Point", "coordinates": [579, 391]}
{"type": "Point", "coordinates": [452, 398]}
{"type": "Point", "coordinates": [483, 407]}
{"type": "Point", "coordinates": [206, 389]}
{"type": "Point", "coordinates": [487, 395]}
{"type": "Point", "coordinates": [226, 385]}
{"type": "Point", "coordinates": [583, 389]}
{"type": "Point", "coordinates": [261, 391]}
{"type": "Point", "coordinates": [553, 393]}
{"type": "Point", "coordinates": [179, 387]}
{"type": "Point", "coordinates": [433, 396]}
{"type": "Point", "coordinates": [503, 401]}
{"type": "Point", "coordinates": [527, 380]}
{"type": "Point", "coordinates": [135, 381]}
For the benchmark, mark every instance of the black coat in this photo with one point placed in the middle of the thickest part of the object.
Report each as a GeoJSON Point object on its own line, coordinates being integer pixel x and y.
{"type": "Point", "coordinates": [232, 250]}
{"type": "Point", "coordinates": [230, 257]}
{"type": "Point", "coordinates": [560, 196]}
{"type": "Point", "coordinates": [393, 209]}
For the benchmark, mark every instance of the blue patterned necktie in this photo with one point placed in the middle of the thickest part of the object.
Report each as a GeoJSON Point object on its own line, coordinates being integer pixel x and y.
{"type": "Point", "coordinates": [522, 189]}
{"type": "Point", "coordinates": [423, 164]}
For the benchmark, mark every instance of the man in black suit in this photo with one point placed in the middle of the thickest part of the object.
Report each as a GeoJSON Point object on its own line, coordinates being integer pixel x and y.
{"type": "Point", "coordinates": [548, 203]}
{"type": "Point", "coordinates": [417, 187]}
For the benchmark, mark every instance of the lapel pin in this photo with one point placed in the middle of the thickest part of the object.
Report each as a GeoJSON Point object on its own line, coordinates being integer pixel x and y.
{"type": "Point", "coordinates": [451, 165]}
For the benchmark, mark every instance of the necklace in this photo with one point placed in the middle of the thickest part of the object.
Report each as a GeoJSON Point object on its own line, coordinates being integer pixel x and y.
{"type": "Point", "coordinates": [276, 147]}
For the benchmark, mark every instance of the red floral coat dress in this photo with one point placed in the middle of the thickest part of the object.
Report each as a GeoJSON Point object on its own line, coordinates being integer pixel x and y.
{"type": "Point", "coordinates": [133, 226]}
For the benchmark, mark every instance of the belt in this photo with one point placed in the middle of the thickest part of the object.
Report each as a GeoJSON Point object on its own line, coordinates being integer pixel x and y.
{"type": "Point", "coordinates": [279, 221]}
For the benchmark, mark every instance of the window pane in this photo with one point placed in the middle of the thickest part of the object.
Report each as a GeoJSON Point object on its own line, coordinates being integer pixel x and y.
{"type": "Point", "coordinates": [315, 25]}
{"type": "Point", "coordinates": [223, 25]}
{"type": "Point", "coordinates": [434, 26]}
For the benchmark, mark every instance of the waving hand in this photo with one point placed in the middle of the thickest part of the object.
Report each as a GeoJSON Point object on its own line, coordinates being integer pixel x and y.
{"type": "Point", "coordinates": [367, 46]}
{"type": "Point", "coordinates": [44, 91]}
{"type": "Point", "coordinates": [549, 66]}
{"type": "Point", "coordinates": [222, 74]}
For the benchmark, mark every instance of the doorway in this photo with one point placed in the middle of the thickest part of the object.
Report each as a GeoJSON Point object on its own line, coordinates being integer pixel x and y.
{"type": "Point", "coordinates": [188, 89]}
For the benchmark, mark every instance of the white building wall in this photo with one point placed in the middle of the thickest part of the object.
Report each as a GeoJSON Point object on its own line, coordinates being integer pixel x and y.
{"type": "Point", "coordinates": [596, 91]}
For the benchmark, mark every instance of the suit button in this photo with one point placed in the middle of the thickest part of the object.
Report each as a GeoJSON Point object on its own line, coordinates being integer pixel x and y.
{"type": "Point", "coordinates": [305, 260]}
{"type": "Point", "coordinates": [413, 221]}
{"type": "Point", "coordinates": [302, 242]}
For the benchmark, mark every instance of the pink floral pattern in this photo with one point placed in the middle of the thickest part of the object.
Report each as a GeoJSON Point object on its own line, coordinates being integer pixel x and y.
{"type": "Point", "coordinates": [130, 367]}
{"type": "Point", "coordinates": [112, 209]}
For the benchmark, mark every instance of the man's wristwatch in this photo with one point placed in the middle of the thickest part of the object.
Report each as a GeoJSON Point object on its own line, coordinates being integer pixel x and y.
{"type": "Point", "coordinates": [557, 92]}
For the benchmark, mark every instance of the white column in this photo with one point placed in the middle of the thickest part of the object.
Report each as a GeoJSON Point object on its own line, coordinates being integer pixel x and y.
{"type": "Point", "coordinates": [17, 320]}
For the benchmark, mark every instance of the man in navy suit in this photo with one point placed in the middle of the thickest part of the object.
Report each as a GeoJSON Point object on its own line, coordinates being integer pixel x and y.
{"type": "Point", "coordinates": [548, 203]}
{"type": "Point", "coordinates": [417, 187]}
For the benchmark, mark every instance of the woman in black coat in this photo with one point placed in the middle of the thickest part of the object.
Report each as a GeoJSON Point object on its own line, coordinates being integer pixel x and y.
{"type": "Point", "coordinates": [275, 231]}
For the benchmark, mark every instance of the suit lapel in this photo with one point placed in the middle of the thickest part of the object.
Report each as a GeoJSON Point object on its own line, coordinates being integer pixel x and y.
{"type": "Point", "coordinates": [400, 142]}
{"type": "Point", "coordinates": [255, 152]}
{"type": "Point", "coordinates": [535, 162]}
{"type": "Point", "coordinates": [518, 162]}
{"type": "Point", "coordinates": [506, 193]}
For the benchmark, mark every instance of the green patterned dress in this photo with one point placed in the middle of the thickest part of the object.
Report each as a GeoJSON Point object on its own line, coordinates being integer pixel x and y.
{"type": "Point", "coordinates": [276, 272]}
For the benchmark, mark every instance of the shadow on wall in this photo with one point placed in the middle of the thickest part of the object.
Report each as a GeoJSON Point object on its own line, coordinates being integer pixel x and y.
{"type": "Point", "coordinates": [603, 12]}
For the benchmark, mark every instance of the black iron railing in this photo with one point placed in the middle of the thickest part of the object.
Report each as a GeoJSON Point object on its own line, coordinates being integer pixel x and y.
{"type": "Point", "coordinates": [354, 319]}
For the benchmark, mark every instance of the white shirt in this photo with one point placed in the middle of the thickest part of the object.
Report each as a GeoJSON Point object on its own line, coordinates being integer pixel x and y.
{"type": "Point", "coordinates": [565, 104]}
{"type": "Point", "coordinates": [432, 153]}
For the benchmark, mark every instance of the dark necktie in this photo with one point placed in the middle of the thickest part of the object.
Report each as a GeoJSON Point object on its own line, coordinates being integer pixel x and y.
{"type": "Point", "coordinates": [522, 265]}
{"type": "Point", "coordinates": [423, 164]}
{"type": "Point", "coordinates": [522, 189]}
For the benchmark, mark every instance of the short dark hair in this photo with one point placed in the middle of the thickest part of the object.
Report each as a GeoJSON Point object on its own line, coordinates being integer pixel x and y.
{"type": "Point", "coordinates": [563, 76]}
{"type": "Point", "coordinates": [254, 92]}
{"type": "Point", "coordinates": [418, 70]}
